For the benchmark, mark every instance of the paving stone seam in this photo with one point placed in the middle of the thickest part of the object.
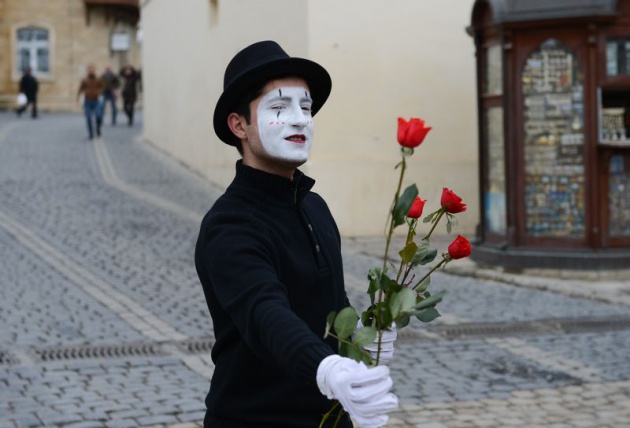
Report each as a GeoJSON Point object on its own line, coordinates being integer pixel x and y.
{"type": "Point", "coordinates": [126, 308]}
{"type": "Point", "coordinates": [108, 173]}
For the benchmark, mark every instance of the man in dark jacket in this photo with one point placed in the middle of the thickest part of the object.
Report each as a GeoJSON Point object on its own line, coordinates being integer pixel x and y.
{"type": "Point", "coordinates": [268, 257]}
{"type": "Point", "coordinates": [111, 82]}
{"type": "Point", "coordinates": [29, 87]}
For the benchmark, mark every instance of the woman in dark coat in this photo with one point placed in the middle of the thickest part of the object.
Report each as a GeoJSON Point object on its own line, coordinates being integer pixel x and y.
{"type": "Point", "coordinates": [131, 76]}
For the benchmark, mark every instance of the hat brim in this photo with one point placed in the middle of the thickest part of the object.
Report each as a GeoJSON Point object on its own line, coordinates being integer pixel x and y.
{"type": "Point", "coordinates": [316, 77]}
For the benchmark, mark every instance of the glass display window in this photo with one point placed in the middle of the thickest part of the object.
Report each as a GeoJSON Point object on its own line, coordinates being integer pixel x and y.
{"type": "Point", "coordinates": [619, 196]}
{"type": "Point", "coordinates": [554, 143]}
{"type": "Point", "coordinates": [495, 185]}
{"type": "Point", "coordinates": [493, 79]}
{"type": "Point", "coordinates": [618, 56]}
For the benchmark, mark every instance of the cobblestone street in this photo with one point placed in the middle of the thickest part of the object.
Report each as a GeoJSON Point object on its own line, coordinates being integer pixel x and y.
{"type": "Point", "coordinates": [104, 323]}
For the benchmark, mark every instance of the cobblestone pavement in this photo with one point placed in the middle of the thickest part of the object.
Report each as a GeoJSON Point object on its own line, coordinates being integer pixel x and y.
{"type": "Point", "coordinates": [104, 323]}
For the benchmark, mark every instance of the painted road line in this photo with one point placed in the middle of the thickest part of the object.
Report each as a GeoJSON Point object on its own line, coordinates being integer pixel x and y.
{"type": "Point", "coordinates": [138, 317]}
{"type": "Point", "coordinates": [108, 173]}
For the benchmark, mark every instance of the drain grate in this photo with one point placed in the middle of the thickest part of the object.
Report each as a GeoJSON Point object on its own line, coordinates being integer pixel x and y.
{"type": "Point", "coordinates": [555, 326]}
{"type": "Point", "coordinates": [595, 325]}
{"type": "Point", "coordinates": [486, 330]}
{"type": "Point", "coordinates": [437, 332]}
{"type": "Point", "coordinates": [197, 346]}
{"type": "Point", "coordinates": [103, 351]}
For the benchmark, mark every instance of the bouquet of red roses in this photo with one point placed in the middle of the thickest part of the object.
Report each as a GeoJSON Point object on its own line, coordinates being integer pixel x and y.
{"type": "Point", "coordinates": [400, 293]}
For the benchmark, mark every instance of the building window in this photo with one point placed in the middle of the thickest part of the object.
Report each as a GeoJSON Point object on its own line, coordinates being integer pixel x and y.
{"type": "Point", "coordinates": [33, 50]}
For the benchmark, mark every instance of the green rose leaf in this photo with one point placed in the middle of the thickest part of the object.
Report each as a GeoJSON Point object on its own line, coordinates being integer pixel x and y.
{"type": "Point", "coordinates": [344, 349]}
{"type": "Point", "coordinates": [427, 315]}
{"type": "Point", "coordinates": [346, 322]}
{"type": "Point", "coordinates": [408, 253]}
{"type": "Point", "coordinates": [430, 302]}
{"type": "Point", "coordinates": [404, 203]}
{"type": "Point", "coordinates": [364, 336]}
{"type": "Point", "coordinates": [374, 276]}
{"type": "Point", "coordinates": [402, 302]}
{"type": "Point", "coordinates": [330, 319]}
{"type": "Point", "coordinates": [384, 311]}
{"type": "Point", "coordinates": [429, 257]}
{"type": "Point", "coordinates": [451, 222]}
{"type": "Point", "coordinates": [429, 218]}
{"type": "Point", "coordinates": [424, 284]}
{"type": "Point", "coordinates": [403, 321]}
{"type": "Point", "coordinates": [360, 355]}
{"type": "Point", "coordinates": [421, 253]}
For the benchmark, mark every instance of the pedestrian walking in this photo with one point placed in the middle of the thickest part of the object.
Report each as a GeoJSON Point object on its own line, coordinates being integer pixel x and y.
{"type": "Point", "coordinates": [29, 87]}
{"type": "Point", "coordinates": [131, 78]}
{"type": "Point", "coordinates": [112, 83]}
{"type": "Point", "coordinates": [92, 88]}
{"type": "Point", "coordinates": [268, 256]}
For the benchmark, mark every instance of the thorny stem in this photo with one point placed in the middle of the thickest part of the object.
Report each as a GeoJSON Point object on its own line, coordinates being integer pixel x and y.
{"type": "Point", "coordinates": [410, 234]}
{"type": "Point", "coordinates": [388, 240]}
{"type": "Point", "coordinates": [437, 220]}
{"type": "Point", "coordinates": [392, 219]}
{"type": "Point", "coordinates": [445, 259]}
{"type": "Point", "coordinates": [327, 415]}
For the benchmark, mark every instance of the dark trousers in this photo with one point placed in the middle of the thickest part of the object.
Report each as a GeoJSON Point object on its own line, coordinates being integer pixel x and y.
{"type": "Point", "coordinates": [110, 98]}
{"type": "Point", "coordinates": [129, 106]}
{"type": "Point", "coordinates": [33, 103]}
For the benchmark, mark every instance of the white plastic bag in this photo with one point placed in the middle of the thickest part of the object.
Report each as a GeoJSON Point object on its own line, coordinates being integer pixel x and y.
{"type": "Point", "coordinates": [21, 100]}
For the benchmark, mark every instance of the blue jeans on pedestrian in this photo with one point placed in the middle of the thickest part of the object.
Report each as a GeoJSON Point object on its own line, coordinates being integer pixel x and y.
{"type": "Point", "coordinates": [109, 97]}
{"type": "Point", "coordinates": [93, 108]}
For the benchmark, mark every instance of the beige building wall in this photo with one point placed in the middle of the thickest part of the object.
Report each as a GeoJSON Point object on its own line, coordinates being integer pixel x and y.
{"type": "Point", "coordinates": [387, 59]}
{"type": "Point", "coordinates": [77, 38]}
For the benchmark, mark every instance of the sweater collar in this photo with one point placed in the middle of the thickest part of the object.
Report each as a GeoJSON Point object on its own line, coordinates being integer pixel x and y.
{"type": "Point", "coordinates": [273, 187]}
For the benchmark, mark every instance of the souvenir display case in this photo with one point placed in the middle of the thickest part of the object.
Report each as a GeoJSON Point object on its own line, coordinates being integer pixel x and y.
{"type": "Point", "coordinates": [554, 133]}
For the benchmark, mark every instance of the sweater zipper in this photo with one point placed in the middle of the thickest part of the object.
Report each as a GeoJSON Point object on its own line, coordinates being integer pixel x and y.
{"type": "Point", "coordinates": [314, 242]}
{"type": "Point", "coordinates": [295, 189]}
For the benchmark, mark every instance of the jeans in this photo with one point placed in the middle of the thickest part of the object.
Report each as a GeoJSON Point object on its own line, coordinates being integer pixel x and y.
{"type": "Point", "coordinates": [93, 108]}
{"type": "Point", "coordinates": [109, 97]}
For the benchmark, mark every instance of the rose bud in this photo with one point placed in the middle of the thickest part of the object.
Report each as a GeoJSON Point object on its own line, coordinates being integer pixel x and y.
{"type": "Point", "coordinates": [411, 134]}
{"type": "Point", "coordinates": [459, 248]}
{"type": "Point", "coordinates": [416, 207]}
{"type": "Point", "coordinates": [451, 202]}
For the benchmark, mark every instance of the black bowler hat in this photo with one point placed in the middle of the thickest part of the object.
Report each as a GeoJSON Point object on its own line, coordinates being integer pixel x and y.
{"type": "Point", "coordinates": [257, 64]}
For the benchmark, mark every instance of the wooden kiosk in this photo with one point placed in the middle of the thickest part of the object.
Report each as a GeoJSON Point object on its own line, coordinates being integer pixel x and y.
{"type": "Point", "coordinates": [553, 80]}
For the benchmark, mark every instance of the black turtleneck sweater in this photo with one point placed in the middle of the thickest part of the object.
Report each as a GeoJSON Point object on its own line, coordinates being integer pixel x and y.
{"type": "Point", "coordinates": [268, 257]}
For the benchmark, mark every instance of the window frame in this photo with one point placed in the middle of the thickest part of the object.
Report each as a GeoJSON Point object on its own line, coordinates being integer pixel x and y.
{"type": "Point", "coordinates": [16, 71]}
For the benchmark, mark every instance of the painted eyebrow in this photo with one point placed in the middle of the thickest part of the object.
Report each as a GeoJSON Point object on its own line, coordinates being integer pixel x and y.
{"type": "Point", "coordinates": [281, 97]}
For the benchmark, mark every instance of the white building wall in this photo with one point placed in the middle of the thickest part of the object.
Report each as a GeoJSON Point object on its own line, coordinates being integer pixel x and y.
{"type": "Point", "coordinates": [386, 58]}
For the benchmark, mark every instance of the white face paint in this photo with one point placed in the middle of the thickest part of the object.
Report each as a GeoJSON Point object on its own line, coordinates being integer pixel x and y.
{"type": "Point", "coordinates": [285, 123]}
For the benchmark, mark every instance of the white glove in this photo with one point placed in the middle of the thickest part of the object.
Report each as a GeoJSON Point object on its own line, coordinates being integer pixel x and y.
{"type": "Point", "coordinates": [387, 344]}
{"type": "Point", "coordinates": [363, 392]}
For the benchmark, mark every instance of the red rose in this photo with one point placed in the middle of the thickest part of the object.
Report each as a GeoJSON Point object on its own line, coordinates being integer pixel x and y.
{"type": "Point", "coordinates": [412, 133]}
{"type": "Point", "coordinates": [459, 248]}
{"type": "Point", "coordinates": [451, 202]}
{"type": "Point", "coordinates": [416, 208]}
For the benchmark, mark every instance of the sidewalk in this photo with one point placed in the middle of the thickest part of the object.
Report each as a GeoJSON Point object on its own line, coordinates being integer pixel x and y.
{"type": "Point", "coordinates": [105, 324]}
